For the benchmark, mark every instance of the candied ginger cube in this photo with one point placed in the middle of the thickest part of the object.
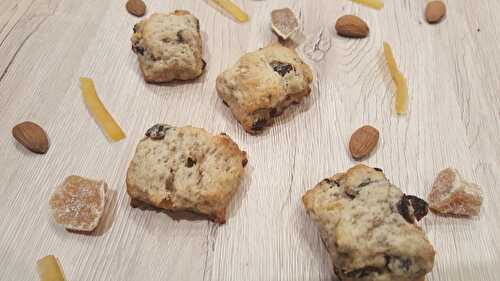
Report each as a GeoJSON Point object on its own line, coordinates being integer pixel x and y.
{"type": "Point", "coordinates": [452, 195]}
{"type": "Point", "coordinates": [78, 203]}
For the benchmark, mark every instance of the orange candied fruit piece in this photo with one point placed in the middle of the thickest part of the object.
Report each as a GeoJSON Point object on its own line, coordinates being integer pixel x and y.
{"type": "Point", "coordinates": [399, 80]}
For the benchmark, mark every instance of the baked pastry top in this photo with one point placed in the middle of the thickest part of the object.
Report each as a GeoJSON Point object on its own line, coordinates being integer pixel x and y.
{"type": "Point", "coordinates": [262, 84]}
{"type": "Point", "coordinates": [368, 226]}
{"type": "Point", "coordinates": [169, 47]}
{"type": "Point", "coordinates": [186, 168]}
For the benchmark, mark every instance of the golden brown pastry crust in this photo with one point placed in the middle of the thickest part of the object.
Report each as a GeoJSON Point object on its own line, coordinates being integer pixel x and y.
{"type": "Point", "coordinates": [187, 169]}
{"type": "Point", "coordinates": [169, 47]}
{"type": "Point", "coordinates": [367, 236]}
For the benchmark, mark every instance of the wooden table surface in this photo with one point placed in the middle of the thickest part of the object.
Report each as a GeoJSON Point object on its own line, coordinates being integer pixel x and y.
{"type": "Point", "coordinates": [453, 71]}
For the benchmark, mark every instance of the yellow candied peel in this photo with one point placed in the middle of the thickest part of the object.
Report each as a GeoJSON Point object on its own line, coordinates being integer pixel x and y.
{"type": "Point", "coordinates": [49, 269]}
{"type": "Point", "coordinates": [399, 80]}
{"type": "Point", "coordinates": [376, 4]}
{"type": "Point", "coordinates": [232, 9]}
{"type": "Point", "coordinates": [99, 111]}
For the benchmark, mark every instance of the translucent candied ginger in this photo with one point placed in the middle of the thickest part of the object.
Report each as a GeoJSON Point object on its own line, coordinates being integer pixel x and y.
{"type": "Point", "coordinates": [452, 195]}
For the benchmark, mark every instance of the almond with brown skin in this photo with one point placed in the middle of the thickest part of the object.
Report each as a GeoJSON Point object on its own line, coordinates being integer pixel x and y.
{"type": "Point", "coordinates": [351, 26]}
{"type": "Point", "coordinates": [32, 136]}
{"type": "Point", "coordinates": [435, 11]}
{"type": "Point", "coordinates": [363, 141]}
{"type": "Point", "coordinates": [136, 7]}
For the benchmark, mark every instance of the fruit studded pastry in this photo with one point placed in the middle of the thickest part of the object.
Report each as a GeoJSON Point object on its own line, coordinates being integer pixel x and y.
{"type": "Point", "coordinates": [369, 227]}
{"type": "Point", "coordinates": [186, 168]}
{"type": "Point", "coordinates": [169, 47]}
{"type": "Point", "coordinates": [262, 84]}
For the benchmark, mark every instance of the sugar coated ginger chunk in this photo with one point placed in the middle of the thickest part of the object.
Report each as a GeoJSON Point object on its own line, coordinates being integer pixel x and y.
{"type": "Point", "coordinates": [78, 203]}
{"type": "Point", "coordinates": [452, 195]}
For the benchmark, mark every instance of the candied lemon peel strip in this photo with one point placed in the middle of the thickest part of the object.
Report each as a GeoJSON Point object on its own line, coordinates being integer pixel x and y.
{"type": "Point", "coordinates": [399, 80]}
{"type": "Point", "coordinates": [232, 9]}
{"type": "Point", "coordinates": [375, 4]}
{"type": "Point", "coordinates": [99, 111]}
{"type": "Point", "coordinates": [49, 269]}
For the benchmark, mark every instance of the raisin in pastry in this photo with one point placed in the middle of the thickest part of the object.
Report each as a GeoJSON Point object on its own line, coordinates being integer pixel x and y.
{"type": "Point", "coordinates": [169, 47]}
{"type": "Point", "coordinates": [186, 168]}
{"type": "Point", "coordinates": [262, 84]}
{"type": "Point", "coordinates": [369, 227]}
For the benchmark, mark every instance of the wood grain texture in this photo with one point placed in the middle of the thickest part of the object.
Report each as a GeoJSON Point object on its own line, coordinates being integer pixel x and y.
{"type": "Point", "coordinates": [453, 72]}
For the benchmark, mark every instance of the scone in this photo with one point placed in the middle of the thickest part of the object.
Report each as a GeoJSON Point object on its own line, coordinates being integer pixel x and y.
{"type": "Point", "coordinates": [186, 168]}
{"type": "Point", "coordinates": [78, 203]}
{"type": "Point", "coordinates": [169, 47]}
{"type": "Point", "coordinates": [262, 84]}
{"type": "Point", "coordinates": [368, 226]}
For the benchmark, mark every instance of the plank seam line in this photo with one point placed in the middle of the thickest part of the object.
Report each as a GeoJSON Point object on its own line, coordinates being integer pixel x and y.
{"type": "Point", "coordinates": [20, 47]}
{"type": "Point", "coordinates": [18, 20]}
{"type": "Point", "coordinates": [211, 238]}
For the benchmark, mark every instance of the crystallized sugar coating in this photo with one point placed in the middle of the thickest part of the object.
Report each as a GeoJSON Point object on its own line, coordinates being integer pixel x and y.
{"type": "Point", "coordinates": [362, 223]}
{"type": "Point", "coordinates": [284, 22]}
{"type": "Point", "coordinates": [78, 203]}
{"type": "Point", "coordinates": [453, 195]}
{"type": "Point", "coordinates": [186, 169]}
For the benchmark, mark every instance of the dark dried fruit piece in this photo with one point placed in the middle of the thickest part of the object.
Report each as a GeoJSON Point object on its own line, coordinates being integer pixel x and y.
{"type": "Point", "coordinates": [353, 191]}
{"type": "Point", "coordinates": [363, 272]}
{"type": "Point", "coordinates": [405, 263]}
{"type": "Point", "coordinates": [259, 124]}
{"type": "Point", "coordinates": [158, 131]}
{"type": "Point", "coordinates": [365, 183]}
{"type": "Point", "coordinates": [420, 207]}
{"type": "Point", "coordinates": [180, 38]}
{"type": "Point", "coordinates": [190, 162]}
{"type": "Point", "coordinates": [332, 183]}
{"type": "Point", "coordinates": [138, 49]}
{"type": "Point", "coordinates": [378, 169]}
{"type": "Point", "coordinates": [273, 112]}
{"type": "Point", "coordinates": [398, 263]}
{"type": "Point", "coordinates": [404, 209]}
{"type": "Point", "coordinates": [244, 162]}
{"type": "Point", "coordinates": [281, 67]}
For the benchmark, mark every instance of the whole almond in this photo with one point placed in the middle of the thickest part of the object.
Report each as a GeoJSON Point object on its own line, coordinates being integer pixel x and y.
{"type": "Point", "coordinates": [363, 141]}
{"type": "Point", "coordinates": [351, 26]}
{"type": "Point", "coordinates": [136, 7]}
{"type": "Point", "coordinates": [32, 136]}
{"type": "Point", "coordinates": [435, 11]}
